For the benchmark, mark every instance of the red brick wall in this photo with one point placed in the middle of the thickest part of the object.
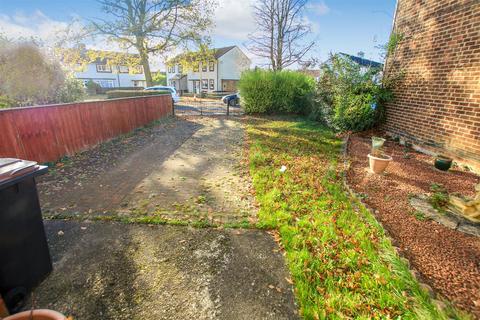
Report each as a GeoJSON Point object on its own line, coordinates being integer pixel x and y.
{"type": "Point", "coordinates": [437, 100]}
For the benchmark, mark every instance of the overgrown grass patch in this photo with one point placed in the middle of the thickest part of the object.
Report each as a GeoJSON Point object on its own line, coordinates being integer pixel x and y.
{"type": "Point", "coordinates": [341, 261]}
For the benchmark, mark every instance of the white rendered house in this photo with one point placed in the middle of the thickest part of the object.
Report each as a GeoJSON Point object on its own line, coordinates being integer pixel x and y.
{"type": "Point", "coordinates": [220, 74]}
{"type": "Point", "coordinates": [111, 76]}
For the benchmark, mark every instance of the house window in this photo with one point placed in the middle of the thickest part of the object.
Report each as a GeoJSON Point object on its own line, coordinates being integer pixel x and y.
{"type": "Point", "coordinates": [180, 68]}
{"type": "Point", "coordinates": [196, 67]}
{"type": "Point", "coordinates": [104, 68]}
{"type": "Point", "coordinates": [123, 69]}
{"type": "Point", "coordinates": [205, 84]}
{"type": "Point", "coordinates": [211, 66]}
{"type": "Point", "coordinates": [212, 84]}
{"type": "Point", "coordinates": [105, 83]}
{"type": "Point", "coordinates": [204, 67]}
{"type": "Point", "coordinates": [139, 83]}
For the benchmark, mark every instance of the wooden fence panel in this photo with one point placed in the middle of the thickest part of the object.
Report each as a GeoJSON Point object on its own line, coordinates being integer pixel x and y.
{"type": "Point", "coordinates": [46, 133]}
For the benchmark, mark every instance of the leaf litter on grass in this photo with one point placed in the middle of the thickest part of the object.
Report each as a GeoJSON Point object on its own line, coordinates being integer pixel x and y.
{"type": "Point", "coordinates": [341, 261]}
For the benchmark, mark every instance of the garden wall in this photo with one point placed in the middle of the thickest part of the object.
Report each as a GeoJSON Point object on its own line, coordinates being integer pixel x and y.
{"type": "Point", "coordinates": [46, 133]}
{"type": "Point", "coordinates": [437, 101]}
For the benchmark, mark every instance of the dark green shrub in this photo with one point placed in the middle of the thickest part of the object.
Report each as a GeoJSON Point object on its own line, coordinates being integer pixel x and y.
{"type": "Point", "coordinates": [102, 90]}
{"type": "Point", "coordinates": [349, 97]}
{"type": "Point", "coordinates": [264, 91]}
{"type": "Point", "coordinates": [93, 87]}
{"type": "Point", "coordinates": [116, 94]}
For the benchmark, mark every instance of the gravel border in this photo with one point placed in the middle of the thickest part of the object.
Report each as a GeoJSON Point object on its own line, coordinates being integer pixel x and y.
{"type": "Point", "coordinates": [441, 302]}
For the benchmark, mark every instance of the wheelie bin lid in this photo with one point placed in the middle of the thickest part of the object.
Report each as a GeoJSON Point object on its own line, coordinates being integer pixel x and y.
{"type": "Point", "coordinates": [12, 170]}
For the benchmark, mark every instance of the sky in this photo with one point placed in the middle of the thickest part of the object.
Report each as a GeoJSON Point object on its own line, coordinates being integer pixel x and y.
{"type": "Point", "coordinates": [348, 26]}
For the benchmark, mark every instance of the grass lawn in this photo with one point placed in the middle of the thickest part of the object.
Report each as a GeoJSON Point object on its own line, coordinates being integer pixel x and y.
{"type": "Point", "coordinates": [342, 263]}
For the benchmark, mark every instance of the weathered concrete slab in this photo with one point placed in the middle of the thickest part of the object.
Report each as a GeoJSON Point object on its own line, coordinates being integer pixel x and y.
{"type": "Point", "coordinates": [182, 169]}
{"type": "Point", "coordinates": [118, 271]}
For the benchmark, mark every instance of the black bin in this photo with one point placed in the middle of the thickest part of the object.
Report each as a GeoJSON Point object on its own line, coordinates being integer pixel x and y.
{"type": "Point", "coordinates": [24, 255]}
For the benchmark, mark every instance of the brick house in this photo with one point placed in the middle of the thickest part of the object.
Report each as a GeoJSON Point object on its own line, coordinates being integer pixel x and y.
{"type": "Point", "coordinates": [437, 100]}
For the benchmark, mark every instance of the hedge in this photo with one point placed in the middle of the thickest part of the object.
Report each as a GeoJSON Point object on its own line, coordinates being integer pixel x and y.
{"type": "Point", "coordinates": [264, 91]}
{"type": "Point", "coordinates": [115, 94]}
{"type": "Point", "coordinates": [105, 90]}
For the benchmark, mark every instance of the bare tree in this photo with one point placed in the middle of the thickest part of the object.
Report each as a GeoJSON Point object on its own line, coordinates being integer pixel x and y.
{"type": "Point", "coordinates": [282, 32]}
{"type": "Point", "coordinates": [154, 26]}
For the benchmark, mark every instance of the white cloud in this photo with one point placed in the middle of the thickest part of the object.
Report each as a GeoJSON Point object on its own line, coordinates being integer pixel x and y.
{"type": "Point", "coordinates": [314, 25]}
{"type": "Point", "coordinates": [318, 8]}
{"type": "Point", "coordinates": [233, 19]}
{"type": "Point", "coordinates": [41, 27]}
{"type": "Point", "coordinates": [36, 25]}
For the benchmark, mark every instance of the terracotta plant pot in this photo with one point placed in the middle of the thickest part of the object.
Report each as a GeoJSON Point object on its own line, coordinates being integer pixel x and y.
{"type": "Point", "coordinates": [377, 164]}
{"type": "Point", "coordinates": [40, 314]}
{"type": "Point", "coordinates": [443, 163]}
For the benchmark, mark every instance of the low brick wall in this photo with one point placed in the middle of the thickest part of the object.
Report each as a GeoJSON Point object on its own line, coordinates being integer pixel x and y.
{"type": "Point", "coordinates": [437, 101]}
{"type": "Point", "coordinates": [46, 133]}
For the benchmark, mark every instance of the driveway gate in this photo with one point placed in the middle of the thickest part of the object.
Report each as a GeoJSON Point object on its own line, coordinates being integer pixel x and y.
{"type": "Point", "coordinates": [205, 107]}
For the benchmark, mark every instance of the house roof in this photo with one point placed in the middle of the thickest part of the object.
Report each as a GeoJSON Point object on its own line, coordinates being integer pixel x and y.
{"type": "Point", "coordinates": [221, 51]}
{"type": "Point", "coordinates": [217, 53]}
{"type": "Point", "coordinates": [99, 56]}
{"type": "Point", "coordinates": [362, 61]}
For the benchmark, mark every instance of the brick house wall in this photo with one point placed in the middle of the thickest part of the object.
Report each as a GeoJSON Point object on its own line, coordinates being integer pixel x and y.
{"type": "Point", "coordinates": [437, 100]}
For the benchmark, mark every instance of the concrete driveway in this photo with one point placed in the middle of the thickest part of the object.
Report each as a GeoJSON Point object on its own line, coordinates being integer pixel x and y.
{"type": "Point", "coordinates": [181, 169]}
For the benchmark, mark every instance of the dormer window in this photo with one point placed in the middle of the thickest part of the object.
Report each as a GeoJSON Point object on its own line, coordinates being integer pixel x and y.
{"type": "Point", "coordinates": [104, 68]}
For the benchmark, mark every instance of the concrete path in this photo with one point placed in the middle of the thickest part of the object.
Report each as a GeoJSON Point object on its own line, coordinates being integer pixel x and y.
{"type": "Point", "coordinates": [118, 271]}
{"type": "Point", "coordinates": [202, 179]}
{"type": "Point", "coordinates": [187, 169]}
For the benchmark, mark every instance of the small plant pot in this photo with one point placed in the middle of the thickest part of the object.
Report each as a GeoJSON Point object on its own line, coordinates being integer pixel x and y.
{"type": "Point", "coordinates": [443, 163]}
{"type": "Point", "coordinates": [378, 164]}
{"type": "Point", "coordinates": [39, 314]}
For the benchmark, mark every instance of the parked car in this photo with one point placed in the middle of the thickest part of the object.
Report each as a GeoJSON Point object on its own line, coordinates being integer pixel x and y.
{"type": "Point", "coordinates": [231, 99]}
{"type": "Point", "coordinates": [172, 90]}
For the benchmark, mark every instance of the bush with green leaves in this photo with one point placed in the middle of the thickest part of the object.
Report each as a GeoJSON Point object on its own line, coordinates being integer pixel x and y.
{"type": "Point", "coordinates": [92, 87]}
{"type": "Point", "coordinates": [117, 94]}
{"type": "Point", "coordinates": [265, 91]}
{"type": "Point", "coordinates": [72, 90]}
{"type": "Point", "coordinates": [349, 97]}
{"type": "Point", "coordinates": [159, 78]}
{"type": "Point", "coordinates": [6, 102]}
